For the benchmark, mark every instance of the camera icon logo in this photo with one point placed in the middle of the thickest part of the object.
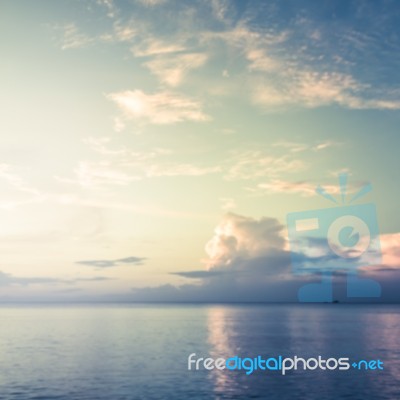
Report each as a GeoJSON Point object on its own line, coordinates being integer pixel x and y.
{"type": "Point", "coordinates": [339, 239]}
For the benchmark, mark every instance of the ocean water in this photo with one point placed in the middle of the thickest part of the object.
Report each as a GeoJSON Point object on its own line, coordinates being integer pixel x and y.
{"type": "Point", "coordinates": [141, 351]}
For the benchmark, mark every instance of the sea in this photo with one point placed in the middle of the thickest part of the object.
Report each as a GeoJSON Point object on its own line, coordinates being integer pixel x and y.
{"type": "Point", "coordinates": [141, 351]}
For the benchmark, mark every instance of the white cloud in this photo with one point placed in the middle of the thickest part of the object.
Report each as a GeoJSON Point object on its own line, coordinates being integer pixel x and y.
{"type": "Point", "coordinates": [220, 9]}
{"type": "Point", "coordinates": [110, 6]}
{"type": "Point", "coordinates": [260, 61]}
{"type": "Point", "coordinates": [121, 166]}
{"type": "Point", "coordinates": [172, 70]}
{"type": "Point", "coordinates": [73, 38]}
{"type": "Point", "coordinates": [124, 33]}
{"type": "Point", "coordinates": [100, 145]}
{"type": "Point", "coordinates": [16, 192]}
{"type": "Point", "coordinates": [390, 246]}
{"type": "Point", "coordinates": [256, 164]}
{"type": "Point", "coordinates": [156, 47]}
{"type": "Point", "coordinates": [97, 174]}
{"type": "Point", "coordinates": [179, 170]}
{"type": "Point", "coordinates": [227, 203]}
{"type": "Point", "coordinates": [294, 147]}
{"type": "Point", "coordinates": [279, 72]}
{"type": "Point", "coordinates": [151, 3]}
{"type": "Point", "coordinates": [282, 76]}
{"type": "Point", "coordinates": [302, 188]}
{"type": "Point", "coordinates": [158, 108]}
{"type": "Point", "coordinates": [318, 89]}
{"type": "Point", "coordinates": [238, 238]}
{"type": "Point", "coordinates": [324, 145]}
{"type": "Point", "coordinates": [314, 89]}
{"type": "Point", "coordinates": [307, 88]}
{"type": "Point", "coordinates": [68, 199]}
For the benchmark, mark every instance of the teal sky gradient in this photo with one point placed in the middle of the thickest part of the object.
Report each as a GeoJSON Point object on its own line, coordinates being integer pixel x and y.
{"type": "Point", "coordinates": [132, 128]}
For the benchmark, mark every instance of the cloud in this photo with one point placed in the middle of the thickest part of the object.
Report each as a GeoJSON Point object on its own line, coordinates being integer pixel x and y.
{"type": "Point", "coordinates": [110, 7]}
{"type": "Point", "coordinates": [255, 164]}
{"type": "Point", "coordinates": [72, 37]}
{"type": "Point", "coordinates": [151, 3]}
{"type": "Point", "coordinates": [302, 187]}
{"type": "Point", "coordinates": [95, 174]}
{"type": "Point", "coordinates": [294, 147]}
{"type": "Point", "coordinates": [161, 108]}
{"type": "Point", "coordinates": [238, 238]}
{"type": "Point", "coordinates": [260, 61]}
{"type": "Point", "coordinates": [179, 170]}
{"type": "Point", "coordinates": [172, 70]}
{"type": "Point", "coordinates": [307, 88]}
{"type": "Point", "coordinates": [390, 247]}
{"type": "Point", "coordinates": [124, 33]}
{"type": "Point", "coordinates": [156, 47]}
{"type": "Point", "coordinates": [100, 145]}
{"type": "Point", "coordinates": [8, 280]}
{"type": "Point", "coordinates": [284, 72]}
{"type": "Point", "coordinates": [22, 193]}
{"type": "Point", "coordinates": [227, 203]}
{"type": "Point", "coordinates": [121, 166]}
{"type": "Point", "coordinates": [301, 85]}
{"type": "Point", "coordinates": [113, 263]}
{"type": "Point", "coordinates": [248, 261]}
{"type": "Point", "coordinates": [300, 63]}
{"type": "Point", "coordinates": [11, 280]}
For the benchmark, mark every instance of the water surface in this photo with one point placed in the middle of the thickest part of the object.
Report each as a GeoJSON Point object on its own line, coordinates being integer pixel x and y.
{"type": "Point", "coordinates": [140, 351]}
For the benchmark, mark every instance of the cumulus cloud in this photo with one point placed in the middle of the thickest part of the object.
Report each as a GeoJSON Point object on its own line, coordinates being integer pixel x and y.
{"type": "Point", "coordinates": [160, 108]}
{"type": "Point", "coordinates": [242, 238]}
{"type": "Point", "coordinates": [248, 260]}
{"type": "Point", "coordinates": [246, 250]}
{"type": "Point", "coordinates": [113, 263]}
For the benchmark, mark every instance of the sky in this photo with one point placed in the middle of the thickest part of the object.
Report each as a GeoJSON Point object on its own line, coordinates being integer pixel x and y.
{"type": "Point", "coordinates": [152, 149]}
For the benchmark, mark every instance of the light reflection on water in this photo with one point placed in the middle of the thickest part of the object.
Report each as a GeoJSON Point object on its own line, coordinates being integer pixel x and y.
{"type": "Point", "coordinates": [356, 331]}
{"type": "Point", "coordinates": [140, 352]}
